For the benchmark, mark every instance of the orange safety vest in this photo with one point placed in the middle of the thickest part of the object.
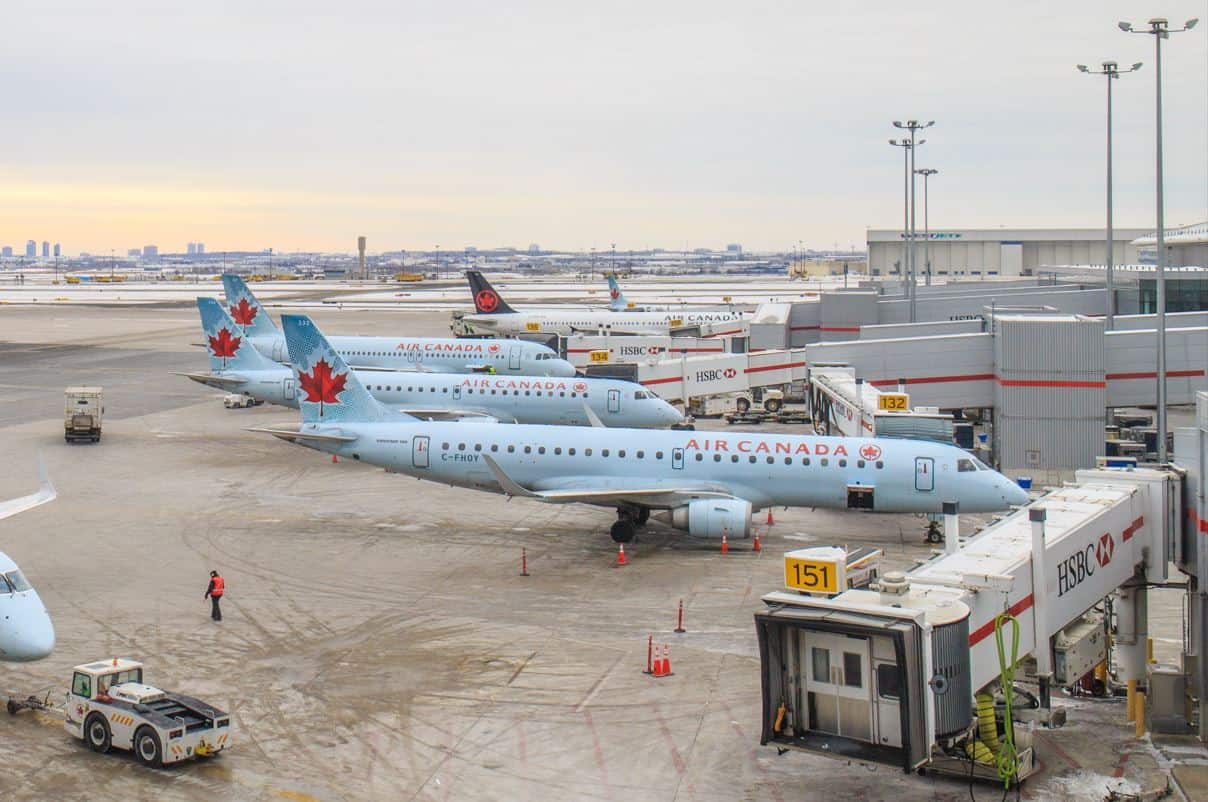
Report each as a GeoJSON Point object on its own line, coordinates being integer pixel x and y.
{"type": "Point", "coordinates": [218, 586]}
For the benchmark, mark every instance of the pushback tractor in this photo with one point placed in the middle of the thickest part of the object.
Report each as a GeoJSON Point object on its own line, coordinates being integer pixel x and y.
{"type": "Point", "coordinates": [109, 707]}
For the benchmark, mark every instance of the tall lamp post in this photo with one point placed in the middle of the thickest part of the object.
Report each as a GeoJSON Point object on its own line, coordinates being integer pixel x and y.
{"type": "Point", "coordinates": [906, 147]}
{"type": "Point", "coordinates": [1112, 71]}
{"type": "Point", "coordinates": [926, 173]}
{"type": "Point", "coordinates": [1160, 29]}
{"type": "Point", "coordinates": [913, 126]}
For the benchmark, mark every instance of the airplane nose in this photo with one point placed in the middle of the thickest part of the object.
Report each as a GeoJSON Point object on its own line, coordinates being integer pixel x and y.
{"type": "Point", "coordinates": [561, 369]}
{"type": "Point", "coordinates": [671, 415]}
{"type": "Point", "coordinates": [1015, 495]}
{"type": "Point", "coordinates": [33, 637]}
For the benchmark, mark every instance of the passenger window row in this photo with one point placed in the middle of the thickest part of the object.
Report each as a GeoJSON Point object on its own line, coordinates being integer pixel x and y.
{"type": "Point", "coordinates": [398, 388]}
{"type": "Point", "coordinates": [658, 455]}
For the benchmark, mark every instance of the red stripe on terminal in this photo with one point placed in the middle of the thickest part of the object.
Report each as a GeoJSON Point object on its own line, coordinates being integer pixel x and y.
{"type": "Point", "coordinates": [840, 328]}
{"type": "Point", "coordinates": [986, 629]}
{"type": "Point", "coordinates": [1170, 374]}
{"type": "Point", "coordinates": [1197, 522]}
{"type": "Point", "coordinates": [762, 368]}
{"type": "Point", "coordinates": [724, 333]}
{"type": "Point", "coordinates": [1064, 383]}
{"type": "Point", "coordinates": [1133, 527]}
{"type": "Point", "coordinates": [662, 381]}
{"type": "Point", "coordinates": [804, 328]}
{"type": "Point", "coordinates": [972, 377]}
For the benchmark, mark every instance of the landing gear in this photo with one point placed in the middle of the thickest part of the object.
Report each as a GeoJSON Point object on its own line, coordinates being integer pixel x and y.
{"type": "Point", "coordinates": [934, 535]}
{"type": "Point", "coordinates": [624, 530]}
{"type": "Point", "coordinates": [643, 515]}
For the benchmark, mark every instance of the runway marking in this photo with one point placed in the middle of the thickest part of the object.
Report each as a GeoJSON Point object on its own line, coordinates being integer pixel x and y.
{"type": "Point", "coordinates": [521, 745]}
{"type": "Point", "coordinates": [520, 668]}
{"type": "Point", "coordinates": [595, 742]}
{"type": "Point", "coordinates": [751, 753]}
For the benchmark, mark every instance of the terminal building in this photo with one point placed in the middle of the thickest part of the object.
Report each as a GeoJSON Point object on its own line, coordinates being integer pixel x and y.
{"type": "Point", "coordinates": [1000, 251]}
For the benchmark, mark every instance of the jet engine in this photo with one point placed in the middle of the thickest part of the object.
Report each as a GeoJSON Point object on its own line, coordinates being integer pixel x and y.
{"type": "Point", "coordinates": [714, 517]}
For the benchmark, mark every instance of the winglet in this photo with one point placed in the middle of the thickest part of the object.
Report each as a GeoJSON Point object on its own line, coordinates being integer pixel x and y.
{"type": "Point", "coordinates": [509, 486]}
{"type": "Point", "coordinates": [46, 488]}
{"type": "Point", "coordinates": [592, 418]}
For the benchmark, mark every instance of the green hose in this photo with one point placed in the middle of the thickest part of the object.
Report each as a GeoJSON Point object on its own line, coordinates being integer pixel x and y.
{"type": "Point", "coordinates": [1008, 757]}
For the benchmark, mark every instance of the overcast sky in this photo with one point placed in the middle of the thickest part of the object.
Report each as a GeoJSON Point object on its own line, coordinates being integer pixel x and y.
{"type": "Point", "coordinates": [299, 125]}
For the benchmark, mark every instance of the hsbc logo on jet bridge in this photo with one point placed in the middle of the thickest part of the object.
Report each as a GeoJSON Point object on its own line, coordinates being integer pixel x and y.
{"type": "Point", "coordinates": [640, 350]}
{"type": "Point", "coordinates": [715, 375]}
{"type": "Point", "coordinates": [1081, 565]}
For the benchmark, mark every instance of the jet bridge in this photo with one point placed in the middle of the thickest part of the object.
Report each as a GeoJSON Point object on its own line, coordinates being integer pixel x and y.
{"type": "Point", "coordinates": [904, 673]}
{"type": "Point", "coordinates": [846, 405]}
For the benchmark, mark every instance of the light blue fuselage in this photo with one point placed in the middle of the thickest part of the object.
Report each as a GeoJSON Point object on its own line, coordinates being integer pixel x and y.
{"type": "Point", "coordinates": [767, 470]}
{"type": "Point", "coordinates": [435, 354]}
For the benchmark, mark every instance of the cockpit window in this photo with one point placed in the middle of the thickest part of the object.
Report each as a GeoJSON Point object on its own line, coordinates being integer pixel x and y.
{"type": "Point", "coordinates": [639, 396]}
{"type": "Point", "coordinates": [17, 580]}
{"type": "Point", "coordinates": [963, 465]}
{"type": "Point", "coordinates": [981, 466]}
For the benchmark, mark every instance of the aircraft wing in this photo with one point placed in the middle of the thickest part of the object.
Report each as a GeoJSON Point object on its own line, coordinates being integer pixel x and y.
{"type": "Point", "coordinates": [294, 434]}
{"type": "Point", "coordinates": [451, 414]}
{"type": "Point", "coordinates": [46, 492]}
{"type": "Point", "coordinates": [211, 380]}
{"type": "Point", "coordinates": [593, 490]}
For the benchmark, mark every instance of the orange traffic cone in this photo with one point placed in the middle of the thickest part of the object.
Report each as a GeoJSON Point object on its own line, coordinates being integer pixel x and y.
{"type": "Point", "coordinates": [770, 521]}
{"type": "Point", "coordinates": [334, 458]}
{"type": "Point", "coordinates": [666, 661]}
{"type": "Point", "coordinates": [725, 547]}
{"type": "Point", "coordinates": [621, 555]}
{"type": "Point", "coordinates": [756, 546]}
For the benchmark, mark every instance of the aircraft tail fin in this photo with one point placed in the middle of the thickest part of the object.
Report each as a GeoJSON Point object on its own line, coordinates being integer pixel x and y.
{"type": "Point", "coordinates": [245, 308]}
{"type": "Point", "coordinates": [329, 392]}
{"type": "Point", "coordinates": [617, 302]}
{"type": "Point", "coordinates": [487, 300]}
{"type": "Point", "coordinates": [226, 343]}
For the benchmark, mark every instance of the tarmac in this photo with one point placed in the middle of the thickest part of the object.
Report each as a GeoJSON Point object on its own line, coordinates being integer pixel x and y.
{"type": "Point", "coordinates": [378, 640]}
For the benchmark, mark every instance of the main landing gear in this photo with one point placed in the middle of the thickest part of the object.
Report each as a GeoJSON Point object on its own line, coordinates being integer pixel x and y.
{"type": "Point", "coordinates": [629, 520]}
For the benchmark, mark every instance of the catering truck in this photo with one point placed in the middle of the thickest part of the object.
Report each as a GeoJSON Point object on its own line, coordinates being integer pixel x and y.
{"type": "Point", "coordinates": [82, 412]}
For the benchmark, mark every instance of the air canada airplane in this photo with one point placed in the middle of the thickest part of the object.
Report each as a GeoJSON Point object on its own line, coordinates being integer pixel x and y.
{"type": "Point", "coordinates": [235, 366]}
{"type": "Point", "coordinates": [431, 354]}
{"type": "Point", "coordinates": [707, 483]}
{"type": "Point", "coordinates": [494, 316]}
{"type": "Point", "coordinates": [619, 303]}
{"type": "Point", "coordinates": [26, 632]}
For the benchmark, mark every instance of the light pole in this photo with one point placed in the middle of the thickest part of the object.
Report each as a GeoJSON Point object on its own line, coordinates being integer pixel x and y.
{"type": "Point", "coordinates": [1112, 71]}
{"type": "Point", "coordinates": [1160, 29]}
{"type": "Point", "coordinates": [913, 126]}
{"type": "Point", "coordinates": [926, 173]}
{"type": "Point", "coordinates": [905, 145]}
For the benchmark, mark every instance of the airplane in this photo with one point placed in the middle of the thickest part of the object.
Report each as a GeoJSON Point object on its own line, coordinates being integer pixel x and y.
{"type": "Point", "coordinates": [705, 483]}
{"type": "Point", "coordinates": [431, 354]}
{"type": "Point", "coordinates": [236, 366]}
{"type": "Point", "coordinates": [26, 632]}
{"type": "Point", "coordinates": [493, 315]}
{"type": "Point", "coordinates": [619, 303]}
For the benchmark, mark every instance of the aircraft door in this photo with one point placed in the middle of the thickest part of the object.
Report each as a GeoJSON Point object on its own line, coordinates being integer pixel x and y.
{"type": "Point", "coordinates": [457, 392]}
{"type": "Point", "coordinates": [614, 401]}
{"type": "Point", "coordinates": [514, 358]}
{"type": "Point", "coordinates": [419, 451]}
{"type": "Point", "coordinates": [287, 389]}
{"type": "Point", "coordinates": [838, 684]}
{"type": "Point", "coordinates": [677, 459]}
{"type": "Point", "coordinates": [924, 474]}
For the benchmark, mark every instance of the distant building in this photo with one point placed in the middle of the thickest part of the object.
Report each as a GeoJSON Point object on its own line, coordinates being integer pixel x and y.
{"type": "Point", "coordinates": [31, 249]}
{"type": "Point", "coordinates": [45, 249]}
{"type": "Point", "coordinates": [534, 248]}
{"type": "Point", "coordinates": [8, 251]}
{"type": "Point", "coordinates": [191, 249]}
{"type": "Point", "coordinates": [58, 250]}
{"type": "Point", "coordinates": [150, 251]}
{"type": "Point", "coordinates": [201, 248]}
{"type": "Point", "coordinates": [135, 252]}
{"type": "Point", "coordinates": [734, 248]}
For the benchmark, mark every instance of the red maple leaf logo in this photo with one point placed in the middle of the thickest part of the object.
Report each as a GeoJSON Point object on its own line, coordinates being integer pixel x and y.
{"type": "Point", "coordinates": [321, 386]}
{"type": "Point", "coordinates": [486, 301]}
{"type": "Point", "coordinates": [224, 345]}
{"type": "Point", "coordinates": [243, 312]}
{"type": "Point", "coordinates": [870, 451]}
{"type": "Point", "coordinates": [493, 348]}
{"type": "Point", "coordinates": [614, 293]}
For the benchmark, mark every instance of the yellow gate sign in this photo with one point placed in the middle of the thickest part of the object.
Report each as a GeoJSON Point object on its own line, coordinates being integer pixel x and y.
{"type": "Point", "coordinates": [598, 356]}
{"type": "Point", "coordinates": [813, 570]}
{"type": "Point", "coordinates": [893, 402]}
{"type": "Point", "coordinates": [532, 326]}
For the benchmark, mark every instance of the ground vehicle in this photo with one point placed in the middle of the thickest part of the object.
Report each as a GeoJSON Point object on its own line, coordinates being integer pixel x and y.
{"type": "Point", "coordinates": [83, 409]}
{"type": "Point", "coordinates": [109, 706]}
{"type": "Point", "coordinates": [239, 401]}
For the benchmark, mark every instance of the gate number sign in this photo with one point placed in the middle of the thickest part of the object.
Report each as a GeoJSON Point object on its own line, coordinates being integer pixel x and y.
{"type": "Point", "coordinates": [812, 576]}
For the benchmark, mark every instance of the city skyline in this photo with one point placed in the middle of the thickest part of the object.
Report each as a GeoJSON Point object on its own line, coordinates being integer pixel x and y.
{"type": "Point", "coordinates": [300, 127]}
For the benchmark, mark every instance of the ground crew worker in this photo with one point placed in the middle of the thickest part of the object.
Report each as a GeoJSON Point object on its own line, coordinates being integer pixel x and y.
{"type": "Point", "coordinates": [214, 593]}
